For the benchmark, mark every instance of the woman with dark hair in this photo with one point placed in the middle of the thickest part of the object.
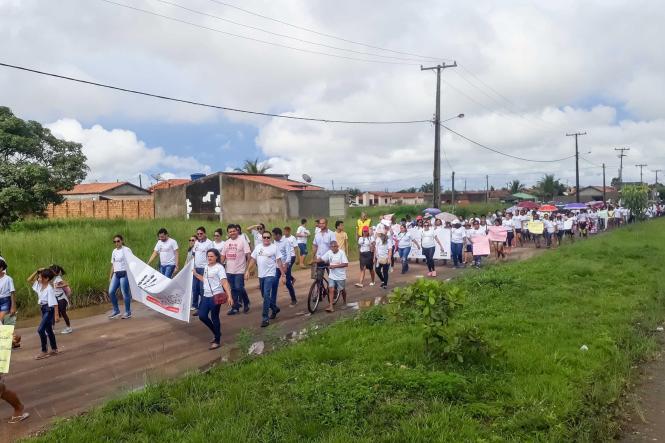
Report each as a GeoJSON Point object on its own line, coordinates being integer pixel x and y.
{"type": "Point", "coordinates": [61, 295]}
{"type": "Point", "coordinates": [215, 286]}
{"type": "Point", "coordinates": [119, 279]}
{"type": "Point", "coordinates": [41, 281]}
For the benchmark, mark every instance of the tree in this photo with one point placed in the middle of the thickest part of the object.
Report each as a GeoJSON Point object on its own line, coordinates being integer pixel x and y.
{"type": "Point", "coordinates": [34, 166]}
{"type": "Point", "coordinates": [254, 167]}
{"type": "Point", "coordinates": [615, 183]}
{"type": "Point", "coordinates": [353, 192]}
{"type": "Point", "coordinates": [427, 187]}
{"type": "Point", "coordinates": [548, 187]}
{"type": "Point", "coordinates": [515, 186]}
{"type": "Point", "coordinates": [412, 189]}
{"type": "Point", "coordinates": [635, 198]}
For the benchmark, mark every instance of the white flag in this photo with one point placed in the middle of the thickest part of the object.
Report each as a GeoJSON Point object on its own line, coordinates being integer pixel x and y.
{"type": "Point", "coordinates": [171, 297]}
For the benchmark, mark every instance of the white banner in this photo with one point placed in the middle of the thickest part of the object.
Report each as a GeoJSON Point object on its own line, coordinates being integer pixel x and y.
{"type": "Point", "coordinates": [171, 297]}
{"type": "Point", "coordinates": [442, 234]}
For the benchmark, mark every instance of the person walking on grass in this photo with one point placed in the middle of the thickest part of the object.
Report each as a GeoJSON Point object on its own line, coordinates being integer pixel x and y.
{"type": "Point", "coordinates": [428, 241]}
{"type": "Point", "coordinates": [302, 233]}
{"type": "Point", "coordinates": [337, 263]}
{"type": "Point", "coordinates": [42, 283]}
{"type": "Point", "coordinates": [12, 399]}
{"type": "Point", "coordinates": [284, 249]}
{"type": "Point", "coordinates": [404, 241]}
{"type": "Point", "coordinates": [235, 255]}
{"type": "Point", "coordinates": [366, 253]}
{"type": "Point", "coordinates": [167, 249]}
{"type": "Point", "coordinates": [341, 237]}
{"type": "Point", "coordinates": [383, 248]}
{"type": "Point", "coordinates": [267, 260]}
{"type": "Point", "coordinates": [118, 278]}
{"type": "Point", "coordinates": [199, 254]}
{"type": "Point", "coordinates": [215, 286]}
{"type": "Point", "coordinates": [62, 292]}
{"type": "Point", "coordinates": [7, 293]}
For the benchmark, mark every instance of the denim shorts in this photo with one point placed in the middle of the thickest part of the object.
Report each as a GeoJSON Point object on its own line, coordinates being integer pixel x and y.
{"type": "Point", "coordinates": [303, 248]}
{"type": "Point", "coordinates": [338, 284]}
{"type": "Point", "coordinates": [5, 304]}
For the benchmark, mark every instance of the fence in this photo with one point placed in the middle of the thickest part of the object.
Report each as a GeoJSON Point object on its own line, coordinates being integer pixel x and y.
{"type": "Point", "coordinates": [103, 209]}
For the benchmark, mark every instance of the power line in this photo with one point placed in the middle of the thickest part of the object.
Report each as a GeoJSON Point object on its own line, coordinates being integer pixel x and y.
{"type": "Point", "coordinates": [277, 34]}
{"type": "Point", "coordinates": [302, 28]}
{"type": "Point", "coordinates": [224, 108]}
{"type": "Point", "coordinates": [503, 153]}
{"type": "Point", "coordinates": [231, 34]}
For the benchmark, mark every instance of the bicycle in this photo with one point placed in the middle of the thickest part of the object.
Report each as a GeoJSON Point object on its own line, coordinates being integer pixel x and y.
{"type": "Point", "coordinates": [319, 289]}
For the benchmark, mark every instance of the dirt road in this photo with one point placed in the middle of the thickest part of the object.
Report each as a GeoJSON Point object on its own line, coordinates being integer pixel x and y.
{"type": "Point", "coordinates": [105, 358]}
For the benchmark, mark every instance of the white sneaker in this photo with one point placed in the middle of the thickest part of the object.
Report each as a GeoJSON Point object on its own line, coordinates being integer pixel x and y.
{"type": "Point", "coordinates": [67, 330]}
{"type": "Point", "coordinates": [126, 316]}
{"type": "Point", "coordinates": [371, 284]}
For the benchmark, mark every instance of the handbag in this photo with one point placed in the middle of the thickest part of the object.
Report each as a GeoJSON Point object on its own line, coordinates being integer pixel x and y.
{"type": "Point", "coordinates": [221, 298]}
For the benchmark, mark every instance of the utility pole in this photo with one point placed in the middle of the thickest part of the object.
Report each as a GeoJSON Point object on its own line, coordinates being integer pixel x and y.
{"type": "Point", "coordinates": [436, 182]}
{"type": "Point", "coordinates": [487, 188]}
{"type": "Point", "coordinates": [577, 164]}
{"type": "Point", "coordinates": [656, 172]}
{"type": "Point", "coordinates": [464, 185]}
{"type": "Point", "coordinates": [452, 191]}
{"type": "Point", "coordinates": [604, 199]}
{"type": "Point", "coordinates": [641, 168]}
{"type": "Point", "coordinates": [621, 156]}
{"type": "Point", "coordinates": [140, 182]}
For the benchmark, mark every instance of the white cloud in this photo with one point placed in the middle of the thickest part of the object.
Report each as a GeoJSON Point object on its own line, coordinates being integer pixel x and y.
{"type": "Point", "coordinates": [117, 154]}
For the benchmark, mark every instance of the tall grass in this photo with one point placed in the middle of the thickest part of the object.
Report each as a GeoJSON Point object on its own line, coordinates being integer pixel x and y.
{"type": "Point", "coordinates": [368, 379]}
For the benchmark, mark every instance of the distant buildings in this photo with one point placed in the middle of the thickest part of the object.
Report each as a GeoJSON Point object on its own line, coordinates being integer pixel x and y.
{"type": "Point", "coordinates": [106, 191]}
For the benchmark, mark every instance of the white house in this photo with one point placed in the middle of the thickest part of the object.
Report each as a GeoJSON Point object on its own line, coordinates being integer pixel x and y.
{"type": "Point", "coordinates": [377, 198]}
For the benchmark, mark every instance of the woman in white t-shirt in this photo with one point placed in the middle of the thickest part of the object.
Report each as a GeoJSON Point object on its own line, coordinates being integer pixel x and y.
{"type": "Point", "coordinates": [366, 250]}
{"type": "Point", "coordinates": [404, 241]}
{"type": "Point", "coordinates": [217, 239]}
{"type": "Point", "coordinates": [41, 281]}
{"type": "Point", "coordinates": [428, 241]}
{"type": "Point", "coordinates": [383, 251]}
{"type": "Point", "coordinates": [119, 278]}
{"type": "Point", "coordinates": [214, 284]}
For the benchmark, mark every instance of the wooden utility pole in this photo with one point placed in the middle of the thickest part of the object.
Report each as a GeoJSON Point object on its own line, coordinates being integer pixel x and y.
{"type": "Point", "coordinates": [577, 164]}
{"type": "Point", "coordinates": [604, 197]}
{"type": "Point", "coordinates": [621, 156]}
{"type": "Point", "coordinates": [642, 166]}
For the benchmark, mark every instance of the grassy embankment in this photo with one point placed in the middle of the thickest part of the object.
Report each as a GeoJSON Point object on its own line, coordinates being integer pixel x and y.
{"type": "Point", "coordinates": [368, 379]}
{"type": "Point", "coordinates": [83, 247]}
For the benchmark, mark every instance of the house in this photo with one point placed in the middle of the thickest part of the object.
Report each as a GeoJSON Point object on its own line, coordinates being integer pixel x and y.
{"type": "Point", "coordinates": [595, 193]}
{"type": "Point", "coordinates": [237, 196]}
{"type": "Point", "coordinates": [377, 198]}
{"type": "Point", "coordinates": [106, 191]}
{"type": "Point", "coordinates": [163, 184]}
{"type": "Point", "coordinates": [466, 197]}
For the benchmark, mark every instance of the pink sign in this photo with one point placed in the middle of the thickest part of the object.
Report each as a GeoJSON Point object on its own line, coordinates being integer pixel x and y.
{"type": "Point", "coordinates": [497, 233]}
{"type": "Point", "coordinates": [481, 245]}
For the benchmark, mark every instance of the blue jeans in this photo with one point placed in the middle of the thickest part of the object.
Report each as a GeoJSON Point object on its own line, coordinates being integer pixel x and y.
{"type": "Point", "coordinates": [404, 256]}
{"type": "Point", "coordinates": [238, 292]}
{"type": "Point", "coordinates": [456, 250]}
{"type": "Point", "coordinates": [265, 285]}
{"type": "Point", "coordinates": [123, 283]}
{"type": "Point", "coordinates": [45, 328]}
{"type": "Point", "coordinates": [209, 316]}
{"type": "Point", "coordinates": [167, 270]}
{"type": "Point", "coordinates": [289, 284]}
{"type": "Point", "coordinates": [197, 289]}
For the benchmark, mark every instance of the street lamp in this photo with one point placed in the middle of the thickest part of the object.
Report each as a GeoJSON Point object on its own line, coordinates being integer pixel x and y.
{"type": "Point", "coordinates": [453, 118]}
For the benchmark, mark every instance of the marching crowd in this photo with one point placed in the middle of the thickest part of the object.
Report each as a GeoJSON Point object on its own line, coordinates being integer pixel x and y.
{"type": "Point", "coordinates": [222, 265]}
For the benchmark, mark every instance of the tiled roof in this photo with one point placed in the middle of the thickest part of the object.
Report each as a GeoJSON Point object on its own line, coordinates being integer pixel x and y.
{"type": "Point", "coordinates": [168, 183]}
{"type": "Point", "coordinates": [397, 194]}
{"type": "Point", "coordinates": [92, 188]}
{"type": "Point", "coordinates": [277, 182]}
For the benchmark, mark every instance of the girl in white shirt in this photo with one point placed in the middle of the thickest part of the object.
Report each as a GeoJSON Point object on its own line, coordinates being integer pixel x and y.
{"type": "Point", "coordinates": [61, 290]}
{"type": "Point", "coordinates": [366, 249]}
{"type": "Point", "coordinates": [41, 284]}
{"type": "Point", "coordinates": [214, 283]}
{"type": "Point", "coordinates": [383, 248]}
{"type": "Point", "coordinates": [428, 241]}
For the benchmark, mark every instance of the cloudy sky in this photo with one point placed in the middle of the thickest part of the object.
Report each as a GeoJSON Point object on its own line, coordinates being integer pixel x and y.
{"type": "Point", "coordinates": [529, 72]}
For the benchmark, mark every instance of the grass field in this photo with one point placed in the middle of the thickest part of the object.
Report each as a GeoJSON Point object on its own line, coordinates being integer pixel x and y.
{"type": "Point", "coordinates": [83, 247]}
{"type": "Point", "coordinates": [368, 379]}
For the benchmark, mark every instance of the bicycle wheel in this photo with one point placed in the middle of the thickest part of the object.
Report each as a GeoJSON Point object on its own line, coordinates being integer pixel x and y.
{"type": "Point", "coordinates": [336, 296]}
{"type": "Point", "coordinates": [313, 297]}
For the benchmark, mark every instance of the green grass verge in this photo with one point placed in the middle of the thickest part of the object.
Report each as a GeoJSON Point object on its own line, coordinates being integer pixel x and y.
{"type": "Point", "coordinates": [368, 379]}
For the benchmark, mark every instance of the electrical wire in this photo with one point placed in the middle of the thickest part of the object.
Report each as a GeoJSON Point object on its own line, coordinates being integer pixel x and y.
{"type": "Point", "coordinates": [231, 34]}
{"type": "Point", "coordinates": [503, 153]}
{"type": "Point", "coordinates": [302, 28]}
{"type": "Point", "coordinates": [277, 34]}
{"type": "Point", "coordinates": [224, 108]}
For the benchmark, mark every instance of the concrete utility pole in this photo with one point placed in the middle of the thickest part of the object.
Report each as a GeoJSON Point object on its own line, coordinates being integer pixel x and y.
{"type": "Point", "coordinates": [621, 156]}
{"type": "Point", "coordinates": [487, 189]}
{"type": "Point", "coordinates": [641, 168]}
{"type": "Point", "coordinates": [604, 199]}
{"type": "Point", "coordinates": [452, 192]}
{"type": "Point", "coordinates": [656, 172]}
{"type": "Point", "coordinates": [577, 164]}
{"type": "Point", "coordinates": [436, 182]}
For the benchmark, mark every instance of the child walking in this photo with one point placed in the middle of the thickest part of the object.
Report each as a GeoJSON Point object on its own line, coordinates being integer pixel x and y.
{"type": "Point", "coordinates": [42, 284]}
{"type": "Point", "coordinates": [62, 292]}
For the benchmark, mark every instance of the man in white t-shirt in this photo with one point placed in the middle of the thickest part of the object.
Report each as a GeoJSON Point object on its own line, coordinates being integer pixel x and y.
{"type": "Point", "coordinates": [302, 233]}
{"type": "Point", "coordinates": [322, 239]}
{"type": "Point", "coordinates": [200, 256]}
{"type": "Point", "coordinates": [337, 263]}
{"type": "Point", "coordinates": [267, 260]}
{"type": "Point", "coordinates": [284, 249]}
{"type": "Point", "coordinates": [167, 249]}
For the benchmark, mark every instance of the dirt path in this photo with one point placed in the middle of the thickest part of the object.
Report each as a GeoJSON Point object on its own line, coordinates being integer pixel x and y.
{"type": "Point", "coordinates": [105, 358]}
{"type": "Point", "coordinates": [646, 421]}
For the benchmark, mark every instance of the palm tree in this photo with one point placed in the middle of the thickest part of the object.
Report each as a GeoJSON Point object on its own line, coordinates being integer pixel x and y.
{"type": "Point", "coordinates": [550, 187]}
{"type": "Point", "coordinates": [254, 167]}
{"type": "Point", "coordinates": [515, 186]}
